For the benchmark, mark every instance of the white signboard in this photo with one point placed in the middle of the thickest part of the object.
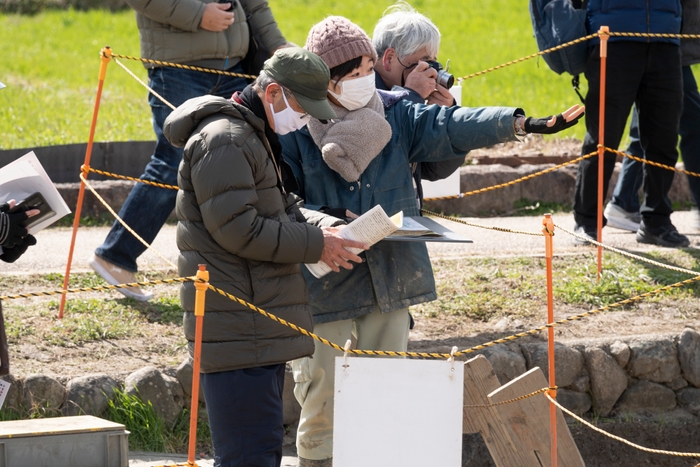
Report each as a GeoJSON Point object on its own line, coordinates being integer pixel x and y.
{"type": "Point", "coordinates": [397, 412]}
{"type": "Point", "coordinates": [446, 187]}
{"type": "Point", "coordinates": [4, 388]}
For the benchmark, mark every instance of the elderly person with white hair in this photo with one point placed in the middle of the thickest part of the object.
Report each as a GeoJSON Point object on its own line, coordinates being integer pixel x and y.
{"type": "Point", "coordinates": [406, 41]}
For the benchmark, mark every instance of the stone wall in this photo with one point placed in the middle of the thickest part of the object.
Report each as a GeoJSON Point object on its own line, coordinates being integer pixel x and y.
{"type": "Point", "coordinates": [652, 374]}
{"type": "Point", "coordinates": [553, 187]}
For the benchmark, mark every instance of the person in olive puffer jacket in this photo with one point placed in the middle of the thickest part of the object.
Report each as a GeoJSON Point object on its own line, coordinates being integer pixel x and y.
{"type": "Point", "coordinates": [236, 214]}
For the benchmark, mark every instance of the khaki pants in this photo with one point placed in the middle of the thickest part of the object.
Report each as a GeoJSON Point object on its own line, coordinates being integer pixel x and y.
{"type": "Point", "coordinates": [314, 376]}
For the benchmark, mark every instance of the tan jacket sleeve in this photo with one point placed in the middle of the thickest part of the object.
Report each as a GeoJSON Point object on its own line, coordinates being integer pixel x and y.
{"type": "Point", "coordinates": [263, 24]}
{"type": "Point", "coordinates": [181, 14]}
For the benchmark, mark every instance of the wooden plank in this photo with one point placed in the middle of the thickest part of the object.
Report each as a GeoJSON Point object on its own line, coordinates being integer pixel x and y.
{"type": "Point", "coordinates": [528, 420]}
{"type": "Point", "coordinates": [56, 426]}
{"type": "Point", "coordinates": [479, 381]}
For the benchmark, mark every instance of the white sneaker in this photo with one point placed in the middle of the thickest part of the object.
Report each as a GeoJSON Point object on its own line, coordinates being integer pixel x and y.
{"type": "Point", "coordinates": [695, 219]}
{"type": "Point", "coordinates": [116, 275]}
{"type": "Point", "coordinates": [621, 219]}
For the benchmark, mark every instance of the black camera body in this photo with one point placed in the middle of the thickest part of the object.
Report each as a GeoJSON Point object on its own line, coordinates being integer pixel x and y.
{"type": "Point", "coordinates": [444, 79]}
{"type": "Point", "coordinates": [233, 3]}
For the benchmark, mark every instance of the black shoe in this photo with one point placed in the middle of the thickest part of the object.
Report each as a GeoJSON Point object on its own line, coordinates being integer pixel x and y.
{"type": "Point", "coordinates": [589, 232]}
{"type": "Point", "coordinates": [665, 236]}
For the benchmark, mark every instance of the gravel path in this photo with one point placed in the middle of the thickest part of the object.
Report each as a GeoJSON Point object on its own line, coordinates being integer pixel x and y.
{"type": "Point", "coordinates": [51, 253]}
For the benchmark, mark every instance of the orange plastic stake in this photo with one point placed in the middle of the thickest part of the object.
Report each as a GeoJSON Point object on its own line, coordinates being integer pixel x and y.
{"type": "Point", "coordinates": [548, 231]}
{"type": "Point", "coordinates": [201, 284]}
{"type": "Point", "coordinates": [604, 30]}
{"type": "Point", "coordinates": [106, 56]}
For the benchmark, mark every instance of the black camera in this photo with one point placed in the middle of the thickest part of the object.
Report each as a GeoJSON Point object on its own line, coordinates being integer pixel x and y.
{"type": "Point", "coordinates": [233, 3]}
{"type": "Point", "coordinates": [444, 79]}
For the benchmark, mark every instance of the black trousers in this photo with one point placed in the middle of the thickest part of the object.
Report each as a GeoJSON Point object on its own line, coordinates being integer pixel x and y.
{"type": "Point", "coordinates": [647, 74]}
{"type": "Point", "coordinates": [245, 415]}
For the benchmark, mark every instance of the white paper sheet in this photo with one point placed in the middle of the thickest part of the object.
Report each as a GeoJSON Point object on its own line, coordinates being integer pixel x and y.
{"type": "Point", "coordinates": [26, 176]}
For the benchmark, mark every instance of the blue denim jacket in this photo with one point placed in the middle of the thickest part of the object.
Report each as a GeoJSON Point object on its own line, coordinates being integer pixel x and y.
{"type": "Point", "coordinates": [395, 274]}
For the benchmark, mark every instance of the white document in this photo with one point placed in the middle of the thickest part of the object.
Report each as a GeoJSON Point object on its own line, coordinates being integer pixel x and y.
{"type": "Point", "coordinates": [392, 412]}
{"type": "Point", "coordinates": [26, 176]}
{"type": "Point", "coordinates": [446, 187]}
{"type": "Point", "coordinates": [369, 228]}
{"type": "Point", "coordinates": [4, 388]}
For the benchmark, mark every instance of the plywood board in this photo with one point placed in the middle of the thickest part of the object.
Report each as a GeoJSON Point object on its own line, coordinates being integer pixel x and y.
{"type": "Point", "coordinates": [479, 381]}
{"type": "Point", "coordinates": [528, 420]}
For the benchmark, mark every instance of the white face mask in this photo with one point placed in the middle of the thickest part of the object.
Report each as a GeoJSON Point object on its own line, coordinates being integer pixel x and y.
{"type": "Point", "coordinates": [288, 120]}
{"type": "Point", "coordinates": [356, 93]}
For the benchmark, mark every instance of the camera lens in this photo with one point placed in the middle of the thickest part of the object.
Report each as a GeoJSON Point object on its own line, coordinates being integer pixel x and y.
{"type": "Point", "coordinates": [445, 79]}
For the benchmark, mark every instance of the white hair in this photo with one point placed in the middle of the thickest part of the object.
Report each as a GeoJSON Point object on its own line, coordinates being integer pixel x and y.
{"type": "Point", "coordinates": [406, 31]}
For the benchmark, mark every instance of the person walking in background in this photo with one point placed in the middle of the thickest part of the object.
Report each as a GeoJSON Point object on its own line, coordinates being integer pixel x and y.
{"type": "Point", "coordinates": [642, 71]}
{"type": "Point", "coordinates": [622, 211]}
{"type": "Point", "coordinates": [406, 41]}
{"type": "Point", "coordinates": [358, 161]}
{"type": "Point", "coordinates": [200, 33]}
{"type": "Point", "coordinates": [236, 214]}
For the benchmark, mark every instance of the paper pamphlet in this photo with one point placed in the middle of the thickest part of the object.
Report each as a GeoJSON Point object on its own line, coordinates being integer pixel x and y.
{"type": "Point", "coordinates": [413, 228]}
{"type": "Point", "coordinates": [369, 228]}
{"type": "Point", "coordinates": [26, 176]}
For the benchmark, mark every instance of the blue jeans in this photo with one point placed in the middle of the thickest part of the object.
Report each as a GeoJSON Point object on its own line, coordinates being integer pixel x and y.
{"type": "Point", "coordinates": [245, 415]}
{"type": "Point", "coordinates": [626, 193]}
{"type": "Point", "coordinates": [147, 207]}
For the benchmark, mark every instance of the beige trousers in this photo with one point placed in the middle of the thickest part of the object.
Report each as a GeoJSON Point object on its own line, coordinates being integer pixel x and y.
{"type": "Point", "coordinates": [314, 376]}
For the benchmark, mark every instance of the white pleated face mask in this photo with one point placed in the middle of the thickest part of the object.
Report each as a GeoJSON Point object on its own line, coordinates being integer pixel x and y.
{"type": "Point", "coordinates": [288, 120]}
{"type": "Point", "coordinates": [356, 93]}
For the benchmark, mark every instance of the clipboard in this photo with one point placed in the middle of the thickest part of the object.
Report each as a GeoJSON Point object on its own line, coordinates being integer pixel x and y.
{"type": "Point", "coordinates": [442, 233]}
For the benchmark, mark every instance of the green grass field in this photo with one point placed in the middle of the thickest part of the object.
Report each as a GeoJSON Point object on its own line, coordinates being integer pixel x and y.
{"type": "Point", "coordinates": [50, 64]}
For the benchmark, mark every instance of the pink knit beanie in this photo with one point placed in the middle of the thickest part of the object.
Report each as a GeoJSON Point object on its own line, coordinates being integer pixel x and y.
{"type": "Point", "coordinates": [338, 40]}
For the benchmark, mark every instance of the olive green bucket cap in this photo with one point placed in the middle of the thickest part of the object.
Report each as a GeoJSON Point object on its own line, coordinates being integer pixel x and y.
{"type": "Point", "coordinates": [306, 76]}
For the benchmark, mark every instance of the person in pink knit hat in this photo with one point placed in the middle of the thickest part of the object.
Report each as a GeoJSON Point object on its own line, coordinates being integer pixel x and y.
{"type": "Point", "coordinates": [351, 164]}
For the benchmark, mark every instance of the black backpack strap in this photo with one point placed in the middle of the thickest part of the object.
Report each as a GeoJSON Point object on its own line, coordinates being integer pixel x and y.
{"type": "Point", "coordinates": [575, 84]}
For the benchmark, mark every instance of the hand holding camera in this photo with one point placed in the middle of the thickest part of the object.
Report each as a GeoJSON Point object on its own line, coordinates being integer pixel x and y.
{"type": "Point", "coordinates": [12, 223]}
{"type": "Point", "coordinates": [219, 16]}
{"type": "Point", "coordinates": [422, 79]}
{"type": "Point", "coordinates": [432, 82]}
{"type": "Point", "coordinates": [10, 255]}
